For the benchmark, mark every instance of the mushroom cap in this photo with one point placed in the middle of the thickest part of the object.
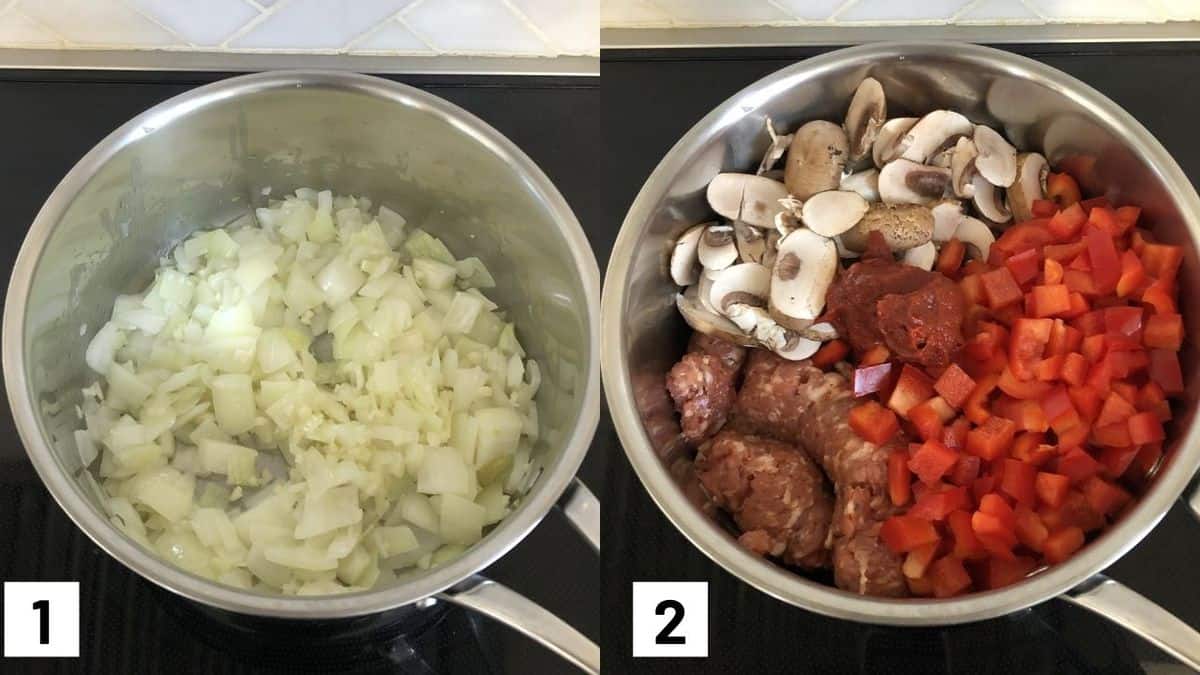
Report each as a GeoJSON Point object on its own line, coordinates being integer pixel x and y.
{"type": "Point", "coordinates": [832, 212]}
{"type": "Point", "coordinates": [932, 132]}
{"type": "Point", "coordinates": [947, 214]}
{"type": "Point", "coordinates": [774, 152]}
{"type": "Point", "coordinates": [962, 167]}
{"type": "Point", "coordinates": [702, 320]}
{"type": "Point", "coordinates": [717, 249]}
{"type": "Point", "coordinates": [1030, 184]}
{"type": "Point", "coordinates": [685, 260]}
{"type": "Point", "coordinates": [988, 201]}
{"type": "Point", "coordinates": [742, 284]}
{"type": "Point", "coordinates": [865, 183]}
{"type": "Point", "coordinates": [922, 256]}
{"type": "Point", "coordinates": [804, 268]}
{"type": "Point", "coordinates": [887, 142]}
{"type": "Point", "coordinates": [751, 199]}
{"type": "Point", "coordinates": [864, 117]}
{"type": "Point", "coordinates": [977, 237]}
{"type": "Point", "coordinates": [751, 242]}
{"type": "Point", "coordinates": [903, 226]}
{"type": "Point", "coordinates": [904, 181]}
{"type": "Point", "coordinates": [815, 159]}
{"type": "Point", "coordinates": [997, 158]}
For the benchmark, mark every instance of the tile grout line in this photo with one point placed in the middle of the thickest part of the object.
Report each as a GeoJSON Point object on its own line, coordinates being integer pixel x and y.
{"type": "Point", "coordinates": [170, 31]}
{"type": "Point", "coordinates": [406, 24]}
{"type": "Point", "coordinates": [62, 39]}
{"type": "Point", "coordinates": [394, 17]}
{"type": "Point", "coordinates": [844, 6]}
{"type": "Point", "coordinates": [550, 47]}
{"type": "Point", "coordinates": [251, 24]}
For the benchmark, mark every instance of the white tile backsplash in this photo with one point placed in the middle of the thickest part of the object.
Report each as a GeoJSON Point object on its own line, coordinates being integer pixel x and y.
{"type": "Point", "coordinates": [399, 27]}
{"type": "Point", "coordinates": [682, 13]}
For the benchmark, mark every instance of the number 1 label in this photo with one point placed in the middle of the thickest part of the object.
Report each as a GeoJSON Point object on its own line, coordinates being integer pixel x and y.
{"type": "Point", "coordinates": [670, 618]}
{"type": "Point", "coordinates": [41, 618]}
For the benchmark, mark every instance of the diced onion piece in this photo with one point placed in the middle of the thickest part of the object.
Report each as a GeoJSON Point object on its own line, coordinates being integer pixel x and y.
{"type": "Point", "coordinates": [233, 403]}
{"type": "Point", "coordinates": [166, 490]}
{"type": "Point", "coordinates": [236, 462]}
{"type": "Point", "coordinates": [444, 471]}
{"type": "Point", "coordinates": [460, 521]}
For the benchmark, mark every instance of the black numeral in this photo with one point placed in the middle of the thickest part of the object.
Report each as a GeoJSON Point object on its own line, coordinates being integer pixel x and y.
{"type": "Point", "coordinates": [664, 636]}
{"type": "Point", "coordinates": [43, 608]}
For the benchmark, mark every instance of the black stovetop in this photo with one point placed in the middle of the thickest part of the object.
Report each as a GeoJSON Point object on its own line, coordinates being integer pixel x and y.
{"type": "Point", "coordinates": [48, 120]}
{"type": "Point", "coordinates": [651, 99]}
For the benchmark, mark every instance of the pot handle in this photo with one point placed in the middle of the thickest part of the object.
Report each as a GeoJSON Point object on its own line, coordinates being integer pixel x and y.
{"type": "Point", "coordinates": [525, 616]}
{"type": "Point", "coordinates": [1134, 612]}
{"type": "Point", "coordinates": [582, 509]}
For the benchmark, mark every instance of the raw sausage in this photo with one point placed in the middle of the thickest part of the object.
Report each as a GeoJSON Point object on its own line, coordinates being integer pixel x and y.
{"type": "Point", "coordinates": [702, 388]}
{"type": "Point", "coordinates": [775, 493]}
{"type": "Point", "coordinates": [730, 354]}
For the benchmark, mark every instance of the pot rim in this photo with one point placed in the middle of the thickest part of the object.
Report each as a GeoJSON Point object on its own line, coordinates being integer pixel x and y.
{"type": "Point", "coordinates": [66, 491]}
{"type": "Point", "coordinates": [775, 580]}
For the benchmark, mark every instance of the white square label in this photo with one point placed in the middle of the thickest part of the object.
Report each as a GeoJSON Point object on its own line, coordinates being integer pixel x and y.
{"type": "Point", "coordinates": [41, 618]}
{"type": "Point", "coordinates": [670, 618]}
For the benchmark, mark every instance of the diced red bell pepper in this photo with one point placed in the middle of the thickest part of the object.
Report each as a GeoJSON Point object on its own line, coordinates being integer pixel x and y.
{"type": "Point", "coordinates": [982, 486]}
{"type": "Point", "coordinates": [1023, 266]}
{"type": "Point", "coordinates": [1063, 338]}
{"type": "Point", "coordinates": [931, 461]}
{"type": "Point", "coordinates": [1124, 321]}
{"type": "Point", "coordinates": [1162, 261]}
{"type": "Point", "coordinates": [998, 506]}
{"type": "Point", "coordinates": [918, 560]}
{"type": "Point", "coordinates": [966, 544]}
{"type": "Point", "coordinates": [1089, 323]}
{"type": "Point", "coordinates": [872, 379]}
{"type": "Point", "coordinates": [1074, 369]}
{"type": "Point", "coordinates": [1116, 461]}
{"type": "Point", "coordinates": [1087, 401]}
{"type": "Point", "coordinates": [1115, 411]}
{"type": "Point", "coordinates": [1056, 403]}
{"type": "Point", "coordinates": [920, 588]}
{"type": "Point", "coordinates": [1081, 263]}
{"type": "Point", "coordinates": [991, 439]}
{"type": "Point", "coordinates": [1061, 544]}
{"type": "Point", "coordinates": [1065, 224]}
{"type": "Point", "coordinates": [899, 478]}
{"type": "Point", "coordinates": [1080, 282]}
{"type": "Point", "coordinates": [1128, 215]}
{"type": "Point", "coordinates": [1030, 529]}
{"type": "Point", "coordinates": [874, 356]}
{"type": "Point", "coordinates": [1064, 252]}
{"type": "Point", "coordinates": [1103, 496]}
{"type": "Point", "coordinates": [1046, 301]}
{"type": "Point", "coordinates": [927, 421]}
{"type": "Point", "coordinates": [1094, 347]}
{"type": "Point", "coordinates": [1105, 219]}
{"type": "Point", "coordinates": [1017, 481]}
{"type": "Point", "coordinates": [954, 435]}
{"type": "Point", "coordinates": [1165, 371]}
{"type": "Point", "coordinates": [965, 471]}
{"type": "Point", "coordinates": [1051, 488]}
{"type": "Point", "coordinates": [1163, 331]}
{"type": "Point", "coordinates": [1031, 389]}
{"type": "Point", "coordinates": [830, 353]}
{"type": "Point", "coordinates": [1106, 264]}
{"type": "Point", "coordinates": [1030, 447]}
{"type": "Point", "coordinates": [1151, 398]}
{"type": "Point", "coordinates": [1144, 428]}
{"type": "Point", "coordinates": [1049, 368]}
{"type": "Point", "coordinates": [999, 572]}
{"type": "Point", "coordinates": [972, 288]}
{"type": "Point", "coordinates": [1062, 188]}
{"type": "Point", "coordinates": [1113, 435]}
{"type": "Point", "coordinates": [1026, 344]}
{"type": "Point", "coordinates": [904, 533]}
{"type": "Point", "coordinates": [1020, 237]}
{"type": "Point", "coordinates": [996, 537]}
{"type": "Point", "coordinates": [1043, 208]}
{"type": "Point", "coordinates": [950, 257]}
{"type": "Point", "coordinates": [954, 385]}
{"type": "Point", "coordinates": [1074, 435]}
{"type": "Point", "coordinates": [1078, 306]}
{"type": "Point", "coordinates": [1095, 202]}
{"type": "Point", "coordinates": [912, 387]}
{"type": "Point", "coordinates": [1077, 465]}
{"type": "Point", "coordinates": [975, 409]}
{"type": "Point", "coordinates": [1159, 298]}
{"type": "Point", "coordinates": [938, 505]}
{"type": "Point", "coordinates": [1126, 390]}
{"type": "Point", "coordinates": [1029, 416]}
{"type": "Point", "coordinates": [1000, 288]}
{"type": "Point", "coordinates": [949, 577]}
{"type": "Point", "coordinates": [1052, 271]}
{"type": "Point", "coordinates": [873, 423]}
{"type": "Point", "coordinates": [1133, 274]}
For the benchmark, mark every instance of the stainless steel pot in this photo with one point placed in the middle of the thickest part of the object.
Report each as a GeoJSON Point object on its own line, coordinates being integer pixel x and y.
{"type": "Point", "coordinates": [199, 160]}
{"type": "Point", "coordinates": [1040, 108]}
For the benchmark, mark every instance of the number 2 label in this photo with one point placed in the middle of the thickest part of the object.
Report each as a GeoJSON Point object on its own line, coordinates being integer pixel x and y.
{"type": "Point", "coordinates": [670, 618]}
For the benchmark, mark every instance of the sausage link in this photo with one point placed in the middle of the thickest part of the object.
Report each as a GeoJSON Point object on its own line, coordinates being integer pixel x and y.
{"type": "Point", "coordinates": [702, 388]}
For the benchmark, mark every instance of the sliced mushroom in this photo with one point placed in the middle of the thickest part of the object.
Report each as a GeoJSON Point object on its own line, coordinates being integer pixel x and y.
{"type": "Point", "coordinates": [962, 168]}
{"type": "Point", "coordinates": [887, 143]}
{"type": "Point", "coordinates": [704, 289]}
{"type": "Point", "coordinates": [944, 157]}
{"type": "Point", "coordinates": [833, 212]}
{"type": "Point", "coordinates": [867, 112]}
{"type": "Point", "coordinates": [742, 284]}
{"type": "Point", "coordinates": [989, 201]}
{"type": "Point", "coordinates": [822, 332]}
{"type": "Point", "coordinates": [865, 183]}
{"type": "Point", "coordinates": [685, 268]}
{"type": "Point", "coordinates": [747, 317]}
{"type": "Point", "coordinates": [1030, 185]}
{"type": "Point", "coordinates": [717, 249]}
{"type": "Point", "coordinates": [997, 159]}
{"type": "Point", "coordinates": [773, 237]}
{"type": "Point", "coordinates": [751, 242]}
{"type": "Point", "coordinates": [815, 159]}
{"type": "Point", "coordinates": [932, 132]}
{"type": "Point", "coordinates": [903, 226]}
{"type": "Point", "coordinates": [701, 319]}
{"type": "Point", "coordinates": [804, 269]}
{"type": "Point", "coordinates": [977, 236]}
{"type": "Point", "coordinates": [745, 197]}
{"type": "Point", "coordinates": [922, 256]}
{"type": "Point", "coordinates": [844, 252]}
{"type": "Point", "coordinates": [784, 342]}
{"type": "Point", "coordinates": [779, 145]}
{"type": "Point", "coordinates": [947, 214]}
{"type": "Point", "coordinates": [907, 182]}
